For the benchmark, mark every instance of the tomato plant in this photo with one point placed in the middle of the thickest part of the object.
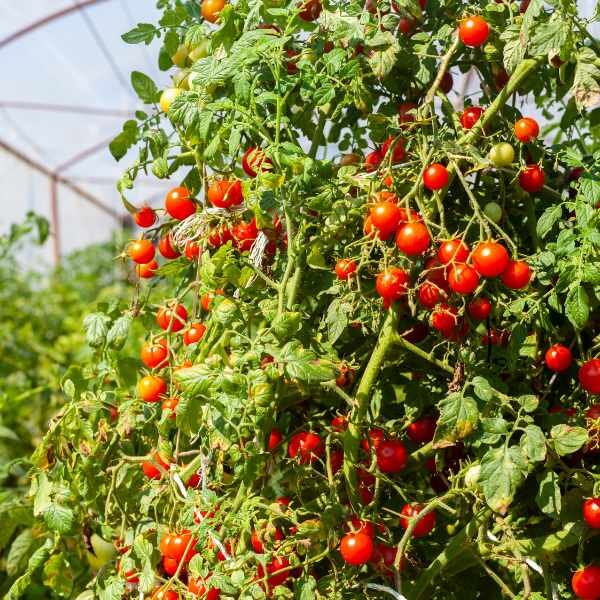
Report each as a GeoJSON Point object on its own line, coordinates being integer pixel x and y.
{"type": "Point", "coordinates": [373, 331]}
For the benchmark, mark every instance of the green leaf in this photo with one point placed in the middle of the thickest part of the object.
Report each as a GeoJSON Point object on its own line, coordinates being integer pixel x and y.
{"type": "Point", "coordinates": [19, 552]}
{"type": "Point", "coordinates": [142, 32]}
{"type": "Point", "coordinates": [96, 328]}
{"type": "Point", "coordinates": [144, 87]}
{"type": "Point", "coordinates": [121, 144]}
{"type": "Point", "coordinates": [117, 334]}
{"type": "Point", "coordinates": [58, 575]}
{"type": "Point", "coordinates": [302, 364]}
{"type": "Point", "coordinates": [548, 497]}
{"type": "Point", "coordinates": [458, 419]}
{"type": "Point", "coordinates": [548, 36]}
{"type": "Point", "coordinates": [482, 388]}
{"type": "Point", "coordinates": [196, 381]}
{"type": "Point", "coordinates": [337, 319]}
{"type": "Point", "coordinates": [533, 443]}
{"type": "Point", "coordinates": [514, 47]}
{"type": "Point", "coordinates": [586, 83]}
{"type": "Point", "coordinates": [568, 439]}
{"type": "Point", "coordinates": [502, 471]}
{"type": "Point", "coordinates": [577, 306]}
{"type": "Point", "coordinates": [59, 518]}
{"type": "Point", "coordinates": [549, 218]}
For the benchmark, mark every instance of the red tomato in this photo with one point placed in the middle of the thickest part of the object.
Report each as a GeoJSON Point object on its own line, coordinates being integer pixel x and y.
{"type": "Point", "coordinates": [307, 446]}
{"type": "Point", "coordinates": [526, 130]}
{"type": "Point", "coordinates": [473, 31]}
{"type": "Point", "coordinates": [345, 268]}
{"type": "Point", "coordinates": [336, 460]}
{"type": "Point", "coordinates": [558, 358]}
{"type": "Point", "coordinates": [145, 216]}
{"type": "Point", "coordinates": [151, 387]}
{"type": "Point", "coordinates": [141, 251]}
{"type": "Point", "coordinates": [406, 25]}
{"type": "Point", "coordinates": [172, 317]}
{"type": "Point", "coordinates": [244, 235]}
{"type": "Point", "coordinates": [255, 160]}
{"type": "Point", "coordinates": [150, 467]}
{"type": "Point", "coordinates": [413, 239]}
{"type": "Point", "coordinates": [384, 557]}
{"type": "Point", "coordinates": [283, 501]}
{"type": "Point", "coordinates": [374, 437]}
{"type": "Point", "coordinates": [591, 512]}
{"type": "Point", "coordinates": [359, 525]}
{"type": "Point", "coordinates": [148, 270]}
{"type": "Point", "coordinates": [532, 178]}
{"type": "Point", "coordinates": [223, 193]}
{"type": "Point", "coordinates": [435, 273]}
{"type": "Point", "coordinates": [429, 294]}
{"type": "Point", "coordinates": [490, 259]}
{"type": "Point", "coordinates": [177, 545]}
{"type": "Point", "coordinates": [179, 204]}
{"type": "Point", "coordinates": [424, 526]}
{"type": "Point", "coordinates": [385, 216]}
{"type": "Point", "coordinates": [275, 438]}
{"type": "Point", "coordinates": [422, 430]}
{"type": "Point", "coordinates": [192, 250]}
{"type": "Point", "coordinates": [517, 275]}
{"type": "Point", "coordinates": [211, 9]}
{"type": "Point", "coordinates": [165, 247]}
{"type": "Point", "coordinates": [447, 82]}
{"type": "Point", "coordinates": [170, 404]}
{"type": "Point", "coordinates": [269, 536]}
{"type": "Point", "coordinates": [480, 308]}
{"type": "Point", "coordinates": [391, 284]}
{"type": "Point", "coordinates": [277, 570]}
{"type": "Point", "coordinates": [339, 423]}
{"type": "Point", "coordinates": [155, 354]}
{"type": "Point", "coordinates": [356, 548]}
{"type": "Point", "coordinates": [391, 456]}
{"type": "Point", "coordinates": [463, 279]}
{"type": "Point", "coordinates": [345, 377]}
{"type": "Point", "coordinates": [589, 376]}
{"type": "Point", "coordinates": [372, 161]}
{"type": "Point", "coordinates": [444, 319]}
{"type": "Point", "coordinates": [406, 112]}
{"type": "Point", "coordinates": [219, 236]}
{"type": "Point", "coordinates": [453, 250]}
{"type": "Point", "coordinates": [586, 582]}
{"type": "Point", "coordinates": [398, 153]}
{"type": "Point", "coordinates": [311, 9]}
{"type": "Point", "coordinates": [198, 588]}
{"type": "Point", "coordinates": [193, 333]}
{"type": "Point", "coordinates": [435, 177]}
{"type": "Point", "coordinates": [470, 116]}
{"type": "Point", "coordinates": [162, 594]}
{"type": "Point", "coordinates": [207, 298]}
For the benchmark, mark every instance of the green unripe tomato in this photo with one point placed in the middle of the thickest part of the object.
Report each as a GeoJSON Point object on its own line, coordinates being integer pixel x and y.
{"type": "Point", "coordinates": [103, 552]}
{"type": "Point", "coordinates": [200, 51]}
{"type": "Point", "coordinates": [502, 154]}
{"type": "Point", "coordinates": [180, 56]}
{"type": "Point", "coordinates": [472, 476]}
{"type": "Point", "coordinates": [167, 98]}
{"type": "Point", "coordinates": [493, 211]}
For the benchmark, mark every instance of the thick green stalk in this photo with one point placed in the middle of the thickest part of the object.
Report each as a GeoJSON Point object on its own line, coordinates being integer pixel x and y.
{"type": "Point", "coordinates": [363, 395]}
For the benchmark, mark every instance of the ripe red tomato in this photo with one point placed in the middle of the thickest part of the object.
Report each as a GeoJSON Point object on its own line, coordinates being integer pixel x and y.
{"type": "Point", "coordinates": [480, 308]}
{"type": "Point", "coordinates": [473, 31]}
{"type": "Point", "coordinates": [413, 239]}
{"type": "Point", "coordinates": [372, 161]}
{"type": "Point", "coordinates": [192, 250]}
{"type": "Point", "coordinates": [336, 460]}
{"type": "Point", "coordinates": [244, 235]}
{"type": "Point", "coordinates": [145, 216]}
{"type": "Point", "coordinates": [591, 512]}
{"type": "Point", "coordinates": [211, 9]}
{"type": "Point", "coordinates": [490, 259]}
{"type": "Point", "coordinates": [385, 216]}
{"type": "Point", "coordinates": [277, 570]}
{"type": "Point", "coordinates": [516, 275]}
{"type": "Point", "coordinates": [435, 273]}
{"type": "Point", "coordinates": [424, 526]}
{"type": "Point", "coordinates": [141, 251]}
{"type": "Point", "coordinates": [558, 358]}
{"type": "Point", "coordinates": [345, 268]}
{"type": "Point", "coordinates": [532, 178]}
{"type": "Point", "coordinates": [275, 438]}
{"type": "Point", "coordinates": [150, 467]}
{"type": "Point", "coordinates": [170, 404]}
{"type": "Point", "coordinates": [207, 299]}
{"type": "Point", "coordinates": [406, 25]}
{"type": "Point", "coordinates": [589, 376]}
{"type": "Point", "coordinates": [444, 319]}
{"type": "Point", "coordinates": [311, 9]}
{"type": "Point", "coordinates": [198, 586]}
{"type": "Point", "coordinates": [307, 446]}
{"type": "Point", "coordinates": [257, 538]}
{"type": "Point", "coordinates": [463, 279]}
{"type": "Point", "coordinates": [526, 130]}
{"type": "Point", "coordinates": [179, 204]}
{"type": "Point", "coordinates": [219, 236]}
{"type": "Point", "coordinates": [172, 317]}
{"type": "Point", "coordinates": [163, 594]}
{"type": "Point", "coordinates": [586, 582]}
{"type": "Point", "coordinates": [356, 548]}
{"type": "Point", "coordinates": [384, 557]}
{"type": "Point", "coordinates": [406, 112]}
{"type": "Point", "coordinates": [345, 376]}
{"type": "Point", "coordinates": [391, 284]}
{"type": "Point", "coordinates": [193, 333]}
{"type": "Point", "coordinates": [422, 430]}
{"type": "Point", "coordinates": [470, 116]}
{"type": "Point", "coordinates": [224, 193]}
{"type": "Point", "coordinates": [147, 271]}
{"type": "Point", "coordinates": [359, 525]}
{"type": "Point", "coordinates": [447, 82]}
{"type": "Point", "coordinates": [435, 177]}
{"type": "Point", "coordinates": [177, 544]}
{"type": "Point", "coordinates": [453, 251]}
{"type": "Point", "coordinates": [166, 248]}
{"type": "Point", "coordinates": [155, 354]}
{"type": "Point", "coordinates": [374, 437]}
{"type": "Point", "coordinates": [391, 456]}
{"type": "Point", "coordinates": [151, 387]}
{"type": "Point", "coordinates": [398, 153]}
{"type": "Point", "coordinates": [255, 160]}
{"type": "Point", "coordinates": [430, 294]}
{"type": "Point", "coordinates": [339, 423]}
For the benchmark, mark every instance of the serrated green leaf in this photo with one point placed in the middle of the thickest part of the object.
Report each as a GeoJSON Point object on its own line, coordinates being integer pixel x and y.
{"type": "Point", "coordinates": [567, 439]}
{"type": "Point", "coordinates": [533, 443]}
{"type": "Point", "coordinates": [458, 419]}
